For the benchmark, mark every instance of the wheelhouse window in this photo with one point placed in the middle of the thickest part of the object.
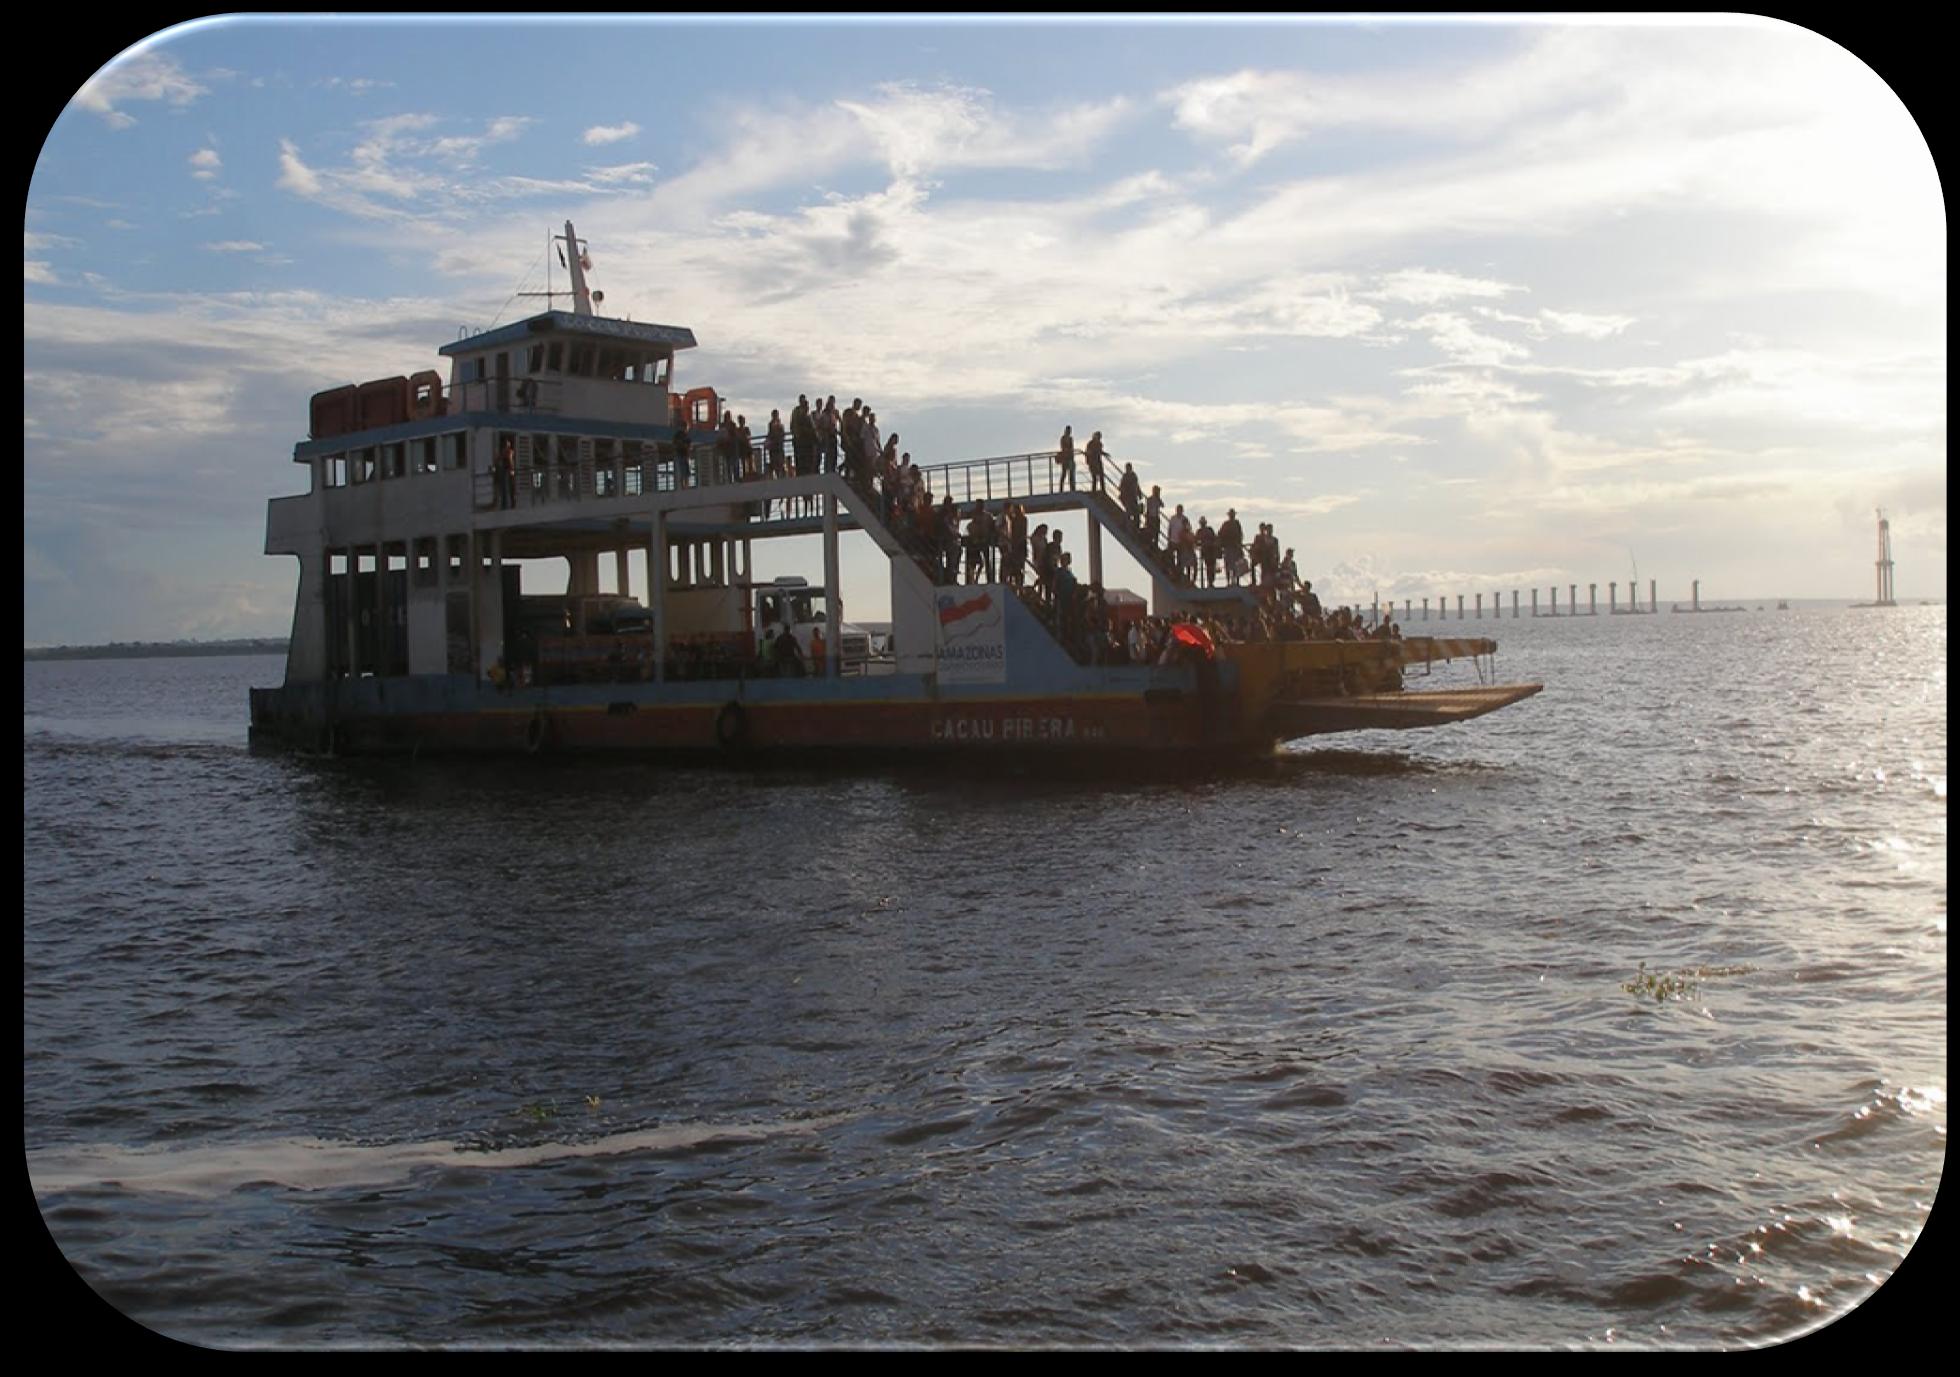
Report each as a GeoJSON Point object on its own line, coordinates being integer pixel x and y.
{"type": "Point", "coordinates": [459, 449]}
{"type": "Point", "coordinates": [554, 357]}
{"type": "Point", "coordinates": [333, 470]}
{"type": "Point", "coordinates": [394, 464]}
{"type": "Point", "coordinates": [425, 455]}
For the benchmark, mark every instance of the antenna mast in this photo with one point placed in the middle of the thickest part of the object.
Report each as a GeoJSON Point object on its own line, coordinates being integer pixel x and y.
{"type": "Point", "coordinates": [574, 257]}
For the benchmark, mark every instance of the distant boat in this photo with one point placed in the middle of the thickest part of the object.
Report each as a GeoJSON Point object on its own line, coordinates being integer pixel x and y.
{"type": "Point", "coordinates": [1783, 607]}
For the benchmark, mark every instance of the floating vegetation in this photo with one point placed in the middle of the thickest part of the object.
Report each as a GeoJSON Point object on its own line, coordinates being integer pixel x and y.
{"type": "Point", "coordinates": [1662, 986]}
{"type": "Point", "coordinates": [537, 1113]}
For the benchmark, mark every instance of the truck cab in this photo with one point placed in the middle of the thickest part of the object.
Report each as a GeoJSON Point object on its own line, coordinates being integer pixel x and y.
{"type": "Point", "coordinates": [792, 606]}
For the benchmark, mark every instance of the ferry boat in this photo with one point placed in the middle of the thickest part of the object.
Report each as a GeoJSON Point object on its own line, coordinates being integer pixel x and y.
{"type": "Point", "coordinates": [555, 438]}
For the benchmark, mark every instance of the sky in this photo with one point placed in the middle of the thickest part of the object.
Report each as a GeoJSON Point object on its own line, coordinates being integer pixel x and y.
{"type": "Point", "coordinates": [1458, 306]}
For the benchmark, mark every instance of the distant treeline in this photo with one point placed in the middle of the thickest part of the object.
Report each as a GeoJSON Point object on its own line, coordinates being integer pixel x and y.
{"type": "Point", "coordinates": [146, 650]}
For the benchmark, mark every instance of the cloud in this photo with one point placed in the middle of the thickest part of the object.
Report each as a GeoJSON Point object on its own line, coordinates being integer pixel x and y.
{"type": "Point", "coordinates": [235, 246]}
{"type": "Point", "coordinates": [638, 174]}
{"type": "Point", "coordinates": [913, 131]}
{"type": "Point", "coordinates": [1427, 287]}
{"type": "Point", "coordinates": [404, 170]}
{"type": "Point", "coordinates": [144, 76]}
{"type": "Point", "coordinates": [1588, 326]}
{"type": "Point", "coordinates": [610, 133]}
{"type": "Point", "coordinates": [205, 164]}
{"type": "Point", "coordinates": [921, 129]}
{"type": "Point", "coordinates": [294, 175]}
{"type": "Point", "coordinates": [359, 86]}
{"type": "Point", "coordinates": [1462, 343]}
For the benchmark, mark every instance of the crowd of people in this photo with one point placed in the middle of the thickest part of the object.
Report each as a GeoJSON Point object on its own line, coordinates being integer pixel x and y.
{"type": "Point", "coordinates": [989, 542]}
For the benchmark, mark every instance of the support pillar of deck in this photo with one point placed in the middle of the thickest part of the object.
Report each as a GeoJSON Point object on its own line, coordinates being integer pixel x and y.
{"type": "Point", "coordinates": [473, 559]}
{"type": "Point", "coordinates": [497, 574]}
{"type": "Point", "coordinates": [1095, 552]}
{"type": "Point", "coordinates": [833, 641]}
{"type": "Point", "coordinates": [657, 592]}
{"type": "Point", "coordinates": [353, 605]}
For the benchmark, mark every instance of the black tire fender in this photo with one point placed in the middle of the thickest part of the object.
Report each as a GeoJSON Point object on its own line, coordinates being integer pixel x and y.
{"type": "Point", "coordinates": [538, 734]}
{"type": "Point", "coordinates": [732, 727]}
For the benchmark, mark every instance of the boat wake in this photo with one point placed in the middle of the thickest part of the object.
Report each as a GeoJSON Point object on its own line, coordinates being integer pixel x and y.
{"type": "Point", "coordinates": [311, 1164]}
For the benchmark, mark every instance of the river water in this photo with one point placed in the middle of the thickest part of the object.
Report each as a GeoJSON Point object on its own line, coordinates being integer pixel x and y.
{"type": "Point", "coordinates": [1336, 1052]}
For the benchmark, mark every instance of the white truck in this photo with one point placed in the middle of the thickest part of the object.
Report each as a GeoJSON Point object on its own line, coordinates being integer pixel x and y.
{"type": "Point", "coordinates": [791, 604]}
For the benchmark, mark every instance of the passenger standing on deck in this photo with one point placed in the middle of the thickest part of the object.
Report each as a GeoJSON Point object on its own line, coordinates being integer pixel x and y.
{"type": "Point", "coordinates": [1131, 492]}
{"type": "Point", "coordinates": [891, 471]}
{"type": "Point", "coordinates": [1093, 452]}
{"type": "Point", "coordinates": [1231, 544]}
{"type": "Point", "coordinates": [683, 443]}
{"type": "Point", "coordinates": [1153, 515]}
{"type": "Point", "coordinates": [506, 475]}
{"type": "Point", "coordinates": [989, 540]}
{"type": "Point", "coordinates": [778, 464]}
{"type": "Point", "coordinates": [1174, 533]}
{"type": "Point", "coordinates": [975, 537]}
{"type": "Point", "coordinates": [788, 655]}
{"type": "Point", "coordinates": [1017, 544]}
{"type": "Point", "coordinates": [1208, 550]}
{"type": "Point", "coordinates": [725, 461]}
{"type": "Point", "coordinates": [949, 539]}
{"type": "Point", "coordinates": [745, 447]}
{"type": "Point", "coordinates": [1289, 579]}
{"type": "Point", "coordinates": [1067, 603]}
{"type": "Point", "coordinates": [803, 447]}
{"type": "Point", "coordinates": [827, 436]}
{"type": "Point", "coordinates": [870, 441]}
{"type": "Point", "coordinates": [1065, 456]}
{"type": "Point", "coordinates": [847, 431]}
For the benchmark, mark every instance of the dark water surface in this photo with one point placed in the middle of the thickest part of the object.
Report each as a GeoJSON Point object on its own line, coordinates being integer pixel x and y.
{"type": "Point", "coordinates": [1334, 1052]}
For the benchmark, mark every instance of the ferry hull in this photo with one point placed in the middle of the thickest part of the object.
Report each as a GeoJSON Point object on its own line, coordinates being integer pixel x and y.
{"type": "Point", "coordinates": [729, 720]}
{"type": "Point", "coordinates": [1251, 699]}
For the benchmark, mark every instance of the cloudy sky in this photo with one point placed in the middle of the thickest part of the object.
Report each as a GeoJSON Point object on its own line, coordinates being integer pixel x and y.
{"type": "Point", "coordinates": [1458, 306]}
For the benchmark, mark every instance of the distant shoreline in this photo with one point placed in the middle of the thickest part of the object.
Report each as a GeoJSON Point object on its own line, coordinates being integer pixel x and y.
{"type": "Point", "coordinates": [157, 650]}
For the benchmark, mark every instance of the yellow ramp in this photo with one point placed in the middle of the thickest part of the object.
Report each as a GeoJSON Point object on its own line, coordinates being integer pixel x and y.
{"type": "Point", "coordinates": [1392, 711]}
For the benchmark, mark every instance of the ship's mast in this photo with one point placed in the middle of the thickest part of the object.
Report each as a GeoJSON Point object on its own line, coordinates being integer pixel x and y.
{"type": "Point", "coordinates": [578, 261]}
